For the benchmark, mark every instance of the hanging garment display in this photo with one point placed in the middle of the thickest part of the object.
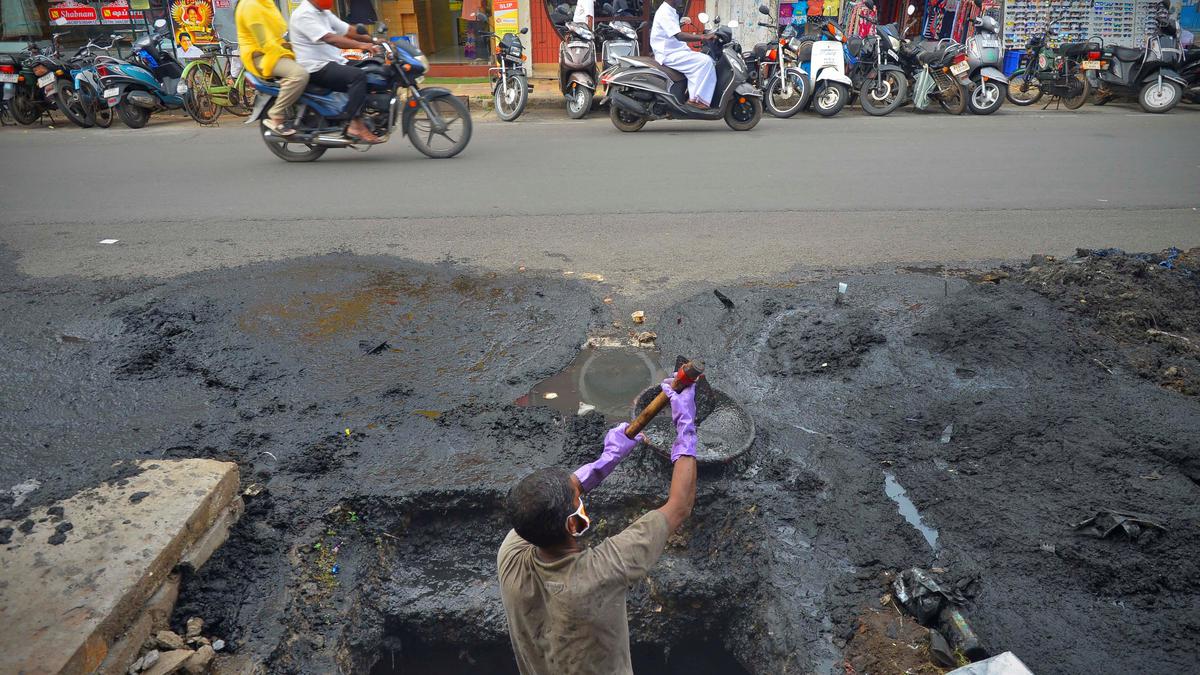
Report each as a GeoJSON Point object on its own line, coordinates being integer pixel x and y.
{"type": "Point", "coordinates": [968, 11]}
{"type": "Point", "coordinates": [860, 19]}
{"type": "Point", "coordinates": [932, 23]}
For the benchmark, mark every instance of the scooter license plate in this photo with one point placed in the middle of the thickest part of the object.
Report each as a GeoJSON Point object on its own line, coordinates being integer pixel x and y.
{"type": "Point", "coordinates": [111, 92]}
{"type": "Point", "coordinates": [1091, 65]}
{"type": "Point", "coordinates": [8, 77]}
{"type": "Point", "coordinates": [960, 68]}
{"type": "Point", "coordinates": [46, 80]}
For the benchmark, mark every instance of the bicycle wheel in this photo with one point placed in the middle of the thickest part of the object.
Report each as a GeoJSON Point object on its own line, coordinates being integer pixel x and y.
{"type": "Point", "coordinates": [198, 100]}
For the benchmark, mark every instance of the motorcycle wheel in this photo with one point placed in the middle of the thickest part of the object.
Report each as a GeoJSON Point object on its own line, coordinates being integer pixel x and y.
{"type": "Point", "coordinates": [23, 109]}
{"type": "Point", "coordinates": [778, 103]}
{"type": "Point", "coordinates": [624, 120]}
{"type": "Point", "coordinates": [1082, 90]}
{"type": "Point", "coordinates": [101, 113]}
{"type": "Point", "coordinates": [886, 101]}
{"type": "Point", "coordinates": [132, 116]}
{"type": "Point", "coordinates": [290, 152]}
{"type": "Point", "coordinates": [71, 104]}
{"type": "Point", "coordinates": [744, 113]}
{"type": "Point", "coordinates": [956, 104]}
{"type": "Point", "coordinates": [511, 95]}
{"type": "Point", "coordinates": [452, 112]}
{"type": "Point", "coordinates": [579, 102]}
{"type": "Point", "coordinates": [198, 101]}
{"type": "Point", "coordinates": [1032, 93]}
{"type": "Point", "coordinates": [1160, 98]}
{"type": "Point", "coordinates": [985, 98]}
{"type": "Point", "coordinates": [830, 99]}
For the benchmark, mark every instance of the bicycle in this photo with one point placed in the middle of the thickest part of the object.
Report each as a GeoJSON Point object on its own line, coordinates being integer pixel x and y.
{"type": "Point", "coordinates": [209, 86]}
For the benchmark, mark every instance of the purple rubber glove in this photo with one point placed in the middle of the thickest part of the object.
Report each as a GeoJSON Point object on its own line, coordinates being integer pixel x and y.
{"type": "Point", "coordinates": [616, 447]}
{"type": "Point", "coordinates": [683, 414]}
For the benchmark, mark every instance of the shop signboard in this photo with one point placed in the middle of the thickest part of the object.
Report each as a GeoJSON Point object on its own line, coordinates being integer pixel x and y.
{"type": "Point", "coordinates": [139, 4]}
{"type": "Point", "coordinates": [193, 23]}
{"type": "Point", "coordinates": [118, 11]}
{"type": "Point", "coordinates": [504, 16]}
{"type": "Point", "coordinates": [72, 13]}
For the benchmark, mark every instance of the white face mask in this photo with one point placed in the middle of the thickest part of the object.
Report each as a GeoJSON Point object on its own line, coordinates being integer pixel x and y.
{"type": "Point", "coordinates": [587, 522]}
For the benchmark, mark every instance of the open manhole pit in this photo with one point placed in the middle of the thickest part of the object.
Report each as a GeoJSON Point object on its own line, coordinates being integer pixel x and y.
{"type": "Point", "coordinates": [435, 604]}
{"type": "Point", "coordinates": [606, 379]}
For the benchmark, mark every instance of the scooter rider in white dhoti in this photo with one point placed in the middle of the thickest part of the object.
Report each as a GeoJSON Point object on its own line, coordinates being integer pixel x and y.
{"type": "Point", "coordinates": [667, 40]}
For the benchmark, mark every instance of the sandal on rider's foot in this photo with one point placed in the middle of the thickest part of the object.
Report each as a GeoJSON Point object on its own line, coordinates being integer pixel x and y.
{"type": "Point", "coordinates": [284, 129]}
{"type": "Point", "coordinates": [375, 140]}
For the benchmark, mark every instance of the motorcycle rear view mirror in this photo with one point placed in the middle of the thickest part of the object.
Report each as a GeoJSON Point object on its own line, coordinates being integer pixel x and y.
{"type": "Point", "coordinates": [703, 16]}
{"type": "Point", "coordinates": [524, 30]}
{"type": "Point", "coordinates": [911, 10]}
{"type": "Point", "coordinates": [763, 9]}
{"type": "Point", "coordinates": [381, 28]}
{"type": "Point", "coordinates": [733, 23]}
{"type": "Point", "coordinates": [160, 23]}
{"type": "Point", "coordinates": [360, 29]}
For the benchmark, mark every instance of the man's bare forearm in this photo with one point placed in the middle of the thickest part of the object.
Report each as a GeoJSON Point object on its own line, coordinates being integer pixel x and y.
{"type": "Point", "coordinates": [682, 495]}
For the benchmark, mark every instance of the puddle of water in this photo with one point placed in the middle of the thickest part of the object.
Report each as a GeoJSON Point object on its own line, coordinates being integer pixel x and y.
{"type": "Point", "coordinates": [909, 510]}
{"type": "Point", "coordinates": [608, 378]}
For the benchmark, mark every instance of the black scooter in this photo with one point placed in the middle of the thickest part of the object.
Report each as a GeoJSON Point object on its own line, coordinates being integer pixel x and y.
{"type": "Point", "coordinates": [641, 89]}
{"type": "Point", "coordinates": [1148, 73]}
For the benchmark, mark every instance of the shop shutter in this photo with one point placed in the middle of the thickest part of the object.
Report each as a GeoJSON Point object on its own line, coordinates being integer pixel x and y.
{"type": "Point", "coordinates": [545, 39]}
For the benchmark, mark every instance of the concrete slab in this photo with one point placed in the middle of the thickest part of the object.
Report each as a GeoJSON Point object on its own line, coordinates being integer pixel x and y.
{"type": "Point", "coordinates": [63, 605]}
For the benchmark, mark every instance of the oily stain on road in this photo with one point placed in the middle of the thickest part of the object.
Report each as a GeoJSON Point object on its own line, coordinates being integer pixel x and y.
{"type": "Point", "coordinates": [791, 543]}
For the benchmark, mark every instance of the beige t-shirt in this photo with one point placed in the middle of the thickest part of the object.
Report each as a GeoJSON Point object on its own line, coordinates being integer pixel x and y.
{"type": "Point", "coordinates": [568, 617]}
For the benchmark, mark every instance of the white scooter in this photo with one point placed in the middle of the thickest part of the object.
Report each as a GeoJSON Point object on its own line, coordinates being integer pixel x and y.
{"type": "Point", "coordinates": [827, 72]}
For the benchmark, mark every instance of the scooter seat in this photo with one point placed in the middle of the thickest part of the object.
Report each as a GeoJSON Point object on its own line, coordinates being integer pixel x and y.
{"type": "Point", "coordinates": [317, 91]}
{"type": "Point", "coordinates": [1127, 54]}
{"type": "Point", "coordinates": [675, 75]}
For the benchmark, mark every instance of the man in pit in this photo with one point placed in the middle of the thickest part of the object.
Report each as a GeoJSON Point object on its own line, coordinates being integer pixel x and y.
{"type": "Point", "coordinates": [566, 603]}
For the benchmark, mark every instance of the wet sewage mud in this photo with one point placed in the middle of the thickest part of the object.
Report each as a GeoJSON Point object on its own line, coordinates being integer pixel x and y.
{"type": "Point", "coordinates": [371, 404]}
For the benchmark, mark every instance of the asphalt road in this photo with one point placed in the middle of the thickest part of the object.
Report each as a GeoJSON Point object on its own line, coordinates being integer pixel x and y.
{"type": "Point", "coordinates": [676, 202]}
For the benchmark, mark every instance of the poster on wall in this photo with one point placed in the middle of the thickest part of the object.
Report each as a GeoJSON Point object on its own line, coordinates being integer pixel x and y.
{"type": "Point", "coordinates": [504, 16]}
{"type": "Point", "coordinates": [72, 13]}
{"type": "Point", "coordinates": [193, 26]}
{"type": "Point", "coordinates": [118, 11]}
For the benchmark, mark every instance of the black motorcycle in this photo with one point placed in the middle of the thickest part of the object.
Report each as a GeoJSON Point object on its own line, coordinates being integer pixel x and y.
{"type": "Point", "coordinates": [642, 89]}
{"type": "Point", "coordinates": [510, 80]}
{"type": "Point", "coordinates": [927, 65]}
{"type": "Point", "coordinates": [1190, 70]}
{"type": "Point", "coordinates": [1147, 73]}
{"type": "Point", "coordinates": [44, 83]}
{"type": "Point", "coordinates": [774, 67]}
{"type": "Point", "coordinates": [427, 116]}
{"type": "Point", "coordinates": [1054, 71]}
{"type": "Point", "coordinates": [875, 68]}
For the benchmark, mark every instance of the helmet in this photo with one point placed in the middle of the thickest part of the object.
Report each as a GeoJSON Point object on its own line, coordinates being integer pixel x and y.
{"type": "Point", "coordinates": [324, 5]}
{"type": "Point", "coordinates": [988, 25]}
